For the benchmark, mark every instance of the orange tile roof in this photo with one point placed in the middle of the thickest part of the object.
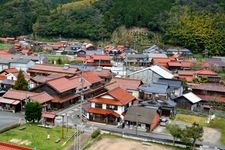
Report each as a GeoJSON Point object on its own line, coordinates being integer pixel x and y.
{"type": "Point", "coordinates": [106, 101]}
{"type": "Point", "coordinates": [124, 83]}
{"type": "Point", "coordinates": [9, 146]}
{"type": "Point", "coordinates": [18, 94]}
{"type": "Point", "coordinates": [50, 115]}
{"type": "Point", "coordinates": [91, 77]}
{"type": "Point", "coordinates": [63, 84]}
{"type": "Point", "coordinates": [41, 98]}
{"type": "Point", "coordinates": [212, 98]}
{"type": "Point", "coordinates": [186, 72]}
{"type": "Point", "coordinates": [122, 95]}
{"type": "Point", "coordinates": [205, 72]}
{"type": "Point", "coordinates": [174, 64]}
{"type": "Point", "coordinates": [52, 68]}
{"type": "Point", "coordinates": [104, 73]}
{"type": "Point", "coordinates": [100, 57]}
{"type": "Point", "coordinates": [3, 77]}
{"type": "Point", "coordinates": [10, 70]}
{"type": "Point", "coordinates": [103, 112]}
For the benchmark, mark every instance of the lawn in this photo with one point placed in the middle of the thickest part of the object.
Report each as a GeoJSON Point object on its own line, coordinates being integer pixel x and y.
{"type": "Point", "coordinates": [34, 136]}
{"type": "Point", "coordinates": [219, 123]}
{"type": "Point", "coordinates": [64, 59]}
{"type": "Point", "coordinates": [5, 45]}
{"type": "Point", "coordinates": [191, 119]}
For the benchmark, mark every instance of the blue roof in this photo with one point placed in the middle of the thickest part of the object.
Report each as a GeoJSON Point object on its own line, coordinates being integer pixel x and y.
{"type": "Point", "coordinates": [154, 88]}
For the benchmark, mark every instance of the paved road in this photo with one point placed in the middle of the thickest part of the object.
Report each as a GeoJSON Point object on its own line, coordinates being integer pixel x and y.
{"type": "Point", "coordinates": [8, 119]}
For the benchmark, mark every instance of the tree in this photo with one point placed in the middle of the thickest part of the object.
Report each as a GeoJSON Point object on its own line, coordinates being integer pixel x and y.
{"type": "Point", "coordinates": [33, 111]}
{"type": "Point", "coordinates": [21, 83]}
{"type": "Point", "coordinates": [192, 134]}
{"type": "Point", "coordinates": [175, 131]}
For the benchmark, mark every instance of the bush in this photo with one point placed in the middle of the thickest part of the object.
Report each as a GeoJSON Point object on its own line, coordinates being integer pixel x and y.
{"type": "Point", "coordinates": [95, 134]}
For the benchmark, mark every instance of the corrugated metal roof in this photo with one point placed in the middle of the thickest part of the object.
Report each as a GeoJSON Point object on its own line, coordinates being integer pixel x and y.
{"type": "Point", "coordinates": [192, 97]}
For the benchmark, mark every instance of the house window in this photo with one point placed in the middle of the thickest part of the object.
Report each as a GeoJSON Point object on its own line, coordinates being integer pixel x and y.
{"type": "Point", "coordinates": [97, 105]}
{"type": "Point", "coordinates": [112, 107]}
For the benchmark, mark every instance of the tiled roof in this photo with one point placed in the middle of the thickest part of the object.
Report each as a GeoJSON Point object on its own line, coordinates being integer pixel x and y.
{"type": "Point", "coordinates": [104, 73]}
{"type": "Point", "coordinates": [3, 77]}
{"type": "Point", "coordinates": [215, 87]}
{"type": "Point", "coordinates": [9, 146]}
{"type": "Point", "coordinates": [100, 57]}
{"type": "Point", "coordinates": [52, 68]}
{"type": "Point", "coordinates": [43, 79]}
{"type": "Point", "coordinates": [205, 72]}
{"type": "Point", "coordinates": [91, 77]}
{"type": "Point", "coordinates": [124, 83]}
{"type": "Point", "coordinates": [212, 98]}
{"type": "Point", "coordinates": [185, 72]}
{"type": "Point", "coordinates": [103, 112]}
{"type": "Point", "coordinates": [50, 115]}
{"type": "Point", "coordinates": [63, 84]}
{"type": "Point", "coordinates": [174, 64]}
{"type": "Point", "coordinates": [106, 101]}
{"type": "Point", "coordinates": [10, 70]}
{"type": "Point", "coordinates": [154, 88]}
{"type": "Point", "coordinates": [18, 95]}
{"type": "Point", "coordinates": [120, 94]}
{"type": "Point", "coordinates": [41, 98]}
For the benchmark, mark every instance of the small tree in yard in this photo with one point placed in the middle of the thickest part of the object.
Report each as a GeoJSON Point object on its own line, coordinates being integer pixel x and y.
{"type": "Point", "coordinates": [192, 134]}
{"type": "Point", "coordinates": [33, 111]}
{"type": "Point", "coordinates": [21, 83]}
{"type": "Point", "coordinates": [175, 131]}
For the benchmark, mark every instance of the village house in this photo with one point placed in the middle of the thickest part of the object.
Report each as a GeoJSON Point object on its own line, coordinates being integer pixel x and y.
{"type": "Point", "coordinates": [141, 118]}
{"type": "Point", "coordinates": [165, 108]}
{"type": "Point", "coordinates": [151, 74]}
{"type": "Point", "coordinates": [188, 101]}
{"type": "Point", "coordinates": [45, 70]}
{"type": "Point", "coordinates": [154, 91]}
{"type": "Point", "coordinates": [109, 107]}
{"type": "Point", "coordinates": [210, 92]}
{"type": "Point", "coordinates": [189, 75]}
{"type": "Point", "coordinates": [137, 60]}
{"type": "Point", "coordinates": [96, 60]}
{"type": "Point", "coordinates": [66, 91]}
{"type": "Point", "coordinates": [131, 85]}
{"type": "Point", "coordinates": [15, 100]}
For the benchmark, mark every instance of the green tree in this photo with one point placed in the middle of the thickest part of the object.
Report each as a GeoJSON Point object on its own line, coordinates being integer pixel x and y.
{"type": "Point", "coordinates": [59, 61]}
{"type": "Point", "coordinates": [33, 111]}
{"type": "Point", "coordinates": [192, 134]}
{"type": "Point", "coordinates": [21, 83]}
{"type": "Point", "coordinates": [175, 131]}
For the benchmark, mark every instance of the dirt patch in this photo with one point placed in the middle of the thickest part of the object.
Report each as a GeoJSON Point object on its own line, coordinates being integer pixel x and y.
{"type": "Point", "coordinates": [124, 144]}
{"type": "Point", "coordinates": [211, 135]}
{"type": "Point", "coordinates": [20, 142]}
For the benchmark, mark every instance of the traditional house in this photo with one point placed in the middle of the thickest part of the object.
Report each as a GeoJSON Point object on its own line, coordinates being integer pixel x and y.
{"type": "Point", "coordinates": [137, 60]}
{"type": "Point", "coordinates": [48, 118]}
{"type": "Point", "coordinates": [210, 92]}
{"type": "Point", "coordinates": [189, 75]}
{"type": "Point", "coordinates": [45, 70]}
{"type": "Point", "coordinates": [141, 118]}
{"type": "Point", "coordinates": [14, 100]}
{"type": "Point", "coordinates": [188, 101]}
{"type": "Point", "coordinates": [66, 91]}
{"type": "Point", "coordinates": [151, 74]}
{"type": "Point", "coordinates": [110, 106]}
{"type": "Point", "coordinates": [154, 91]}
{"type": "Point", "coordinates": [175, 86]}
{"type": "Point", "coordinates": [131, 85]}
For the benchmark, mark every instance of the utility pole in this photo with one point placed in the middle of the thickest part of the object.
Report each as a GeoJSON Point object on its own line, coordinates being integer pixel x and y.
{"type": "Point", "coordinates": [62, 126]}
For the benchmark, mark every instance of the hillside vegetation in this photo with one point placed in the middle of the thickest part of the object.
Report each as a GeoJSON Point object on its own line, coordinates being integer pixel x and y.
{"type": "Point", "coordinates": [194, 24]}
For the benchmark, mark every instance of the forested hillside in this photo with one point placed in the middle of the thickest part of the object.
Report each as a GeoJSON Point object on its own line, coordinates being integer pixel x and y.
{"type": "Point", "coordinates": [194, 24]}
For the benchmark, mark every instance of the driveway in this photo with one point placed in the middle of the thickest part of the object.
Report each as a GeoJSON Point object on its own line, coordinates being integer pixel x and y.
{"type": "Point", "coordinates": [8, 119]}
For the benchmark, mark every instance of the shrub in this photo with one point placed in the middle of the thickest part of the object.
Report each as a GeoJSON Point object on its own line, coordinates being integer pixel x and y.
{"type": "Point", "coordinates": [95, 134]}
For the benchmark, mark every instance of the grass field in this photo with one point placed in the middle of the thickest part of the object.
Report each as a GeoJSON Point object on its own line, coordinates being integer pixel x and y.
{"type": "Point", "coordinates": [5, 45]}
{"type": "Point", "coordinates": [34, 136]}
{"type": "Point", "coordinates": [219, 123]}
{"type": "Point", "coordinates": [191, 119]}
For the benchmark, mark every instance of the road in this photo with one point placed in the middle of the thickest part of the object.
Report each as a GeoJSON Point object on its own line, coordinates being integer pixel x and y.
{"type": "Point", "coordinates": [8, 118]}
